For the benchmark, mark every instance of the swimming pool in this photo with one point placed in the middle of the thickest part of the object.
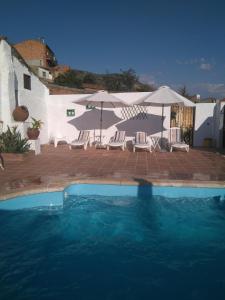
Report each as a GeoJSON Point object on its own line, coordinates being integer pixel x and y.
{"type": "Point", "coordinates": [114, 242]}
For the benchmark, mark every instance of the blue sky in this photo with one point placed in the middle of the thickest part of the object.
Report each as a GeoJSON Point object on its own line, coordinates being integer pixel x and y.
{"type": "Point", "coordinates": [166, 42]}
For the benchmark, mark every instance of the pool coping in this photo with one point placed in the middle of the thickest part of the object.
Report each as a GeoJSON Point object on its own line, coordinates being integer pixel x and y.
{"type": "Point", "coordinates": [61, 185]}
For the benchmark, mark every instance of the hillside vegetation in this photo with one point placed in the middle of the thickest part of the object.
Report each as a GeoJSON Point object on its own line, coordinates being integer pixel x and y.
{"type": "Point", "coordinates": [125, 81]}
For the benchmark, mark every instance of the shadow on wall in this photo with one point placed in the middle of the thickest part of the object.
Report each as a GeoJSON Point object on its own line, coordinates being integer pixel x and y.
{"type": "Point", "coordinates": [221, 126]}
{"type": "Point", "coordinates": [91, 120]}
{"type": "Point", "coordinates": [151, 125]}
{"type": "Point", "coordinates": [205, 131]}
{"type": "Point", "coordinates": [211, 130]}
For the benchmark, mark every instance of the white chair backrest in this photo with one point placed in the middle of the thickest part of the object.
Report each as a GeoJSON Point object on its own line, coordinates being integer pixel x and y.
{"type": "Point", "coordinates": [119, 137]}
{"type": "Point", "coordinates": [141, 137]}
{"type": "Point", "coordinates": [84, 135]}
{"type": "Point", "coordinates": [174, 135]}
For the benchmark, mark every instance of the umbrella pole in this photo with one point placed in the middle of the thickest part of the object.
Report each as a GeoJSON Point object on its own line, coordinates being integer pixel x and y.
{"type": "Point", "coordinates": [162, 126]}
{"type": "Point", "coordinates": [101, 124]}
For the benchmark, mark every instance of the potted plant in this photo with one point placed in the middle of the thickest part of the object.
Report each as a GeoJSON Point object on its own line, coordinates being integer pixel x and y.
{"type": "Point", "coordinates": [12, 145]}
{"type": "Point", "coordinates": [20, 113]}
{"type": "Point", "coordinates": [33, 131]}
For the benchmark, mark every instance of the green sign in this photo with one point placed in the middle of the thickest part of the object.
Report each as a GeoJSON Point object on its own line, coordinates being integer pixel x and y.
{"type": "Point", "coordinates": [90, 106]}
{"type": "Point", "coordinates": [70, 112]}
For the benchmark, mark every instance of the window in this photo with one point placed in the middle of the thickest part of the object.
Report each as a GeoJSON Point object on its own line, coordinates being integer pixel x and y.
{"type": "Point", "coordinates": [27, 81]}
{"type": "Point", "coordinates": [44, 74]}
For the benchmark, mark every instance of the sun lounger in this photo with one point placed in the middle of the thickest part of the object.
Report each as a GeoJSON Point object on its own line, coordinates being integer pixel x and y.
{"type": "Point", "coordinates": [141, 141]}
{"type": "Point", "coordinates": [83, 139]}
{"type": "Point", "coordinates": [118, 140]}
{"type": "Point", "coordinates": [175, 140]}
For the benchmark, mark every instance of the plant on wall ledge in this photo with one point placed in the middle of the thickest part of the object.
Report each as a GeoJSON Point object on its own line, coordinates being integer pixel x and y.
{"type": "Point", "coordinates": [33, 131]}
{"type": "Point", "coordinates": [11, 141]}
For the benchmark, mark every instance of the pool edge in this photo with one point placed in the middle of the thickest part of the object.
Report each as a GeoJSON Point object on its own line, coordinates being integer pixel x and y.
{"type": "Point", "coordinates": [60, 186]}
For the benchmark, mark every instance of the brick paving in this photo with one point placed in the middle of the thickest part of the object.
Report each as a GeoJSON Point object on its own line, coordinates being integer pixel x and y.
{"type": "Point", "coordinates": [55, 164]}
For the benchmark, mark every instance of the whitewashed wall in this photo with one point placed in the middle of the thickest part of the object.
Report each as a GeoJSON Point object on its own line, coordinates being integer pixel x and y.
{"type": "Point", "coordinates": [7, 85]}
{"type": "Point", "coordinates": [51, 109]}
{"type": "Point", "coordinates": [11, 79]}
{"type": "Point", "coordinates": [205, 123]}
{"type": "Point", "coordinates": [48, 74]}
{"type": "Point", "coordinates": [61, 125]}
{"type": "Point", "coordinates": [220, 121]}
{"type": "Point", "coordinates": [34, 99]}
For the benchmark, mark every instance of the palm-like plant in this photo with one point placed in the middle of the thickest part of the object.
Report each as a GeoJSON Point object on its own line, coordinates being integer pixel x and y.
{"type": "Point", "coordinates": [36, 124]}
{"type": "Point", "coordinates": [11, 141]}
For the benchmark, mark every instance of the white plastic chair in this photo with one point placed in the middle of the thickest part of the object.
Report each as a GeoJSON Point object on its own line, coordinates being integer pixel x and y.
{"type": "Point", "coordinates": [141, 141]}
{"type": "Point", "coordinates": [60, 138]}
{"type": "Point", "coordinates": [118, 140]}
{"type": "Point", "coordinates": [83, 140]}
{"type": "Point", "coordinates": [175, 140]}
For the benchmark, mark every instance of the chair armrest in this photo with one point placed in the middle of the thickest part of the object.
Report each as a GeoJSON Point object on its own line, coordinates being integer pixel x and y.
{"type": "Point", "coordinates": [111, 139]}
{"type": "Point", "coordinates": [148, 139]}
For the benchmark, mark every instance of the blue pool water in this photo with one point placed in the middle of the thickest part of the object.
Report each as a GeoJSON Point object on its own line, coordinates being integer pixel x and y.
{"type": "Point", "coordinates": [145, 244]}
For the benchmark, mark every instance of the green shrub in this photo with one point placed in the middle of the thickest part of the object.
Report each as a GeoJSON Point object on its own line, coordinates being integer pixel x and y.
{"type": "Point", "coordinates": [12, 142]}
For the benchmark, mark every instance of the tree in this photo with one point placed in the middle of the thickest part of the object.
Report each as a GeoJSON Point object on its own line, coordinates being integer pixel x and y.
{"type": "Point", "coordinates": [90, 78]}
{"type": "Point", "coordinates": [144, 87]}
{"type": "Point", "coordinates": [71, 79]}
{"type": "Point", "coordinates": [183, 92]}
{"type": "Point", "coordinates": [129, 79]}
{"type": "Point", "coordinates": [124, 81]}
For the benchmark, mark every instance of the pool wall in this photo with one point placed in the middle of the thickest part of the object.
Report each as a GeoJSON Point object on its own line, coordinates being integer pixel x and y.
{"type": "Point", "coordinates": [49, 199]}
{"type": "Point", "coordinates": [145, 190]}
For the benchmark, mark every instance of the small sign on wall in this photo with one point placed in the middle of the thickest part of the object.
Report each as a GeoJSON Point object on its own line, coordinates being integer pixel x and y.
{"type": "Point", "coordinates": [90, 106]}
{"type": "Point", "coordinates": [70, 112]}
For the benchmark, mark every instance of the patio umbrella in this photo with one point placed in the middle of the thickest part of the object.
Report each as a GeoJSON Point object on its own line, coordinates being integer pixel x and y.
{"type": "Point", "coordinates": [90, 120]}
{"type": "Point", "coordinates": [165, 96]}
{"type": "Point", "coordinates": [102, 99]}
{"type": "Point", "coordinates": [151, 125]}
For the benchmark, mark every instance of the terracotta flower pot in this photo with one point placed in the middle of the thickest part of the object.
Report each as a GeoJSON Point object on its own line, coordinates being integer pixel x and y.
{"type": "Point", "coordinates": [20, 113]}
{"type": "Point", "coordinates": [33, 133]}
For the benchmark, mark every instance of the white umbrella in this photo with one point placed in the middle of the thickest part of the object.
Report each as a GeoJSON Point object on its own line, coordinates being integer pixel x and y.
{"type": "Point", "coordinates": [165, 96]}
{"type": "Point", "coordinates": [102, 99]}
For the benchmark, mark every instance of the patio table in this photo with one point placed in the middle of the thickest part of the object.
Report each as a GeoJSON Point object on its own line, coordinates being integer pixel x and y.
{"type": "Point", "coordinates": [155, 142]}
{"type": "Point", "coordinates": [97, 141]}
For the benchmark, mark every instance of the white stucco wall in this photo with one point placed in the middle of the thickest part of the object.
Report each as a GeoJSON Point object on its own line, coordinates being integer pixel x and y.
{"type": "Point", "coordinates": [48, 74]}
{"type": "Point", "coordinates": [34, 99]}
{"type": "Point", "coordinates": [7, 84]}
{"type": "Point", "coordinates": [60, 124]}
{"type": "Point", "coordinates": [11, 78]}
{"type": "Point", "coordinates": [220, 122]}
{"type": "Point", "coordinates": [51, 109]}
{"type": "Point", "coordinates": [205, 123]}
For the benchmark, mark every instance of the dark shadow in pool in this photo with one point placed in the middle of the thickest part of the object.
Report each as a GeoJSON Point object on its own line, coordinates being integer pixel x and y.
{"type": "Point", "coordinates": [144, 188]}
{"type": "Point", "coordinates": [219, 203]}
{"type": "Point", "coordinates": [147, 208]}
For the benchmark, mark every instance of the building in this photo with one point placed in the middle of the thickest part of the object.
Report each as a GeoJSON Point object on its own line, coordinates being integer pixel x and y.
{"type": "Point", "coordinates": [38, 56]}
{"type": "Point", "coordinates": [19, 85]}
